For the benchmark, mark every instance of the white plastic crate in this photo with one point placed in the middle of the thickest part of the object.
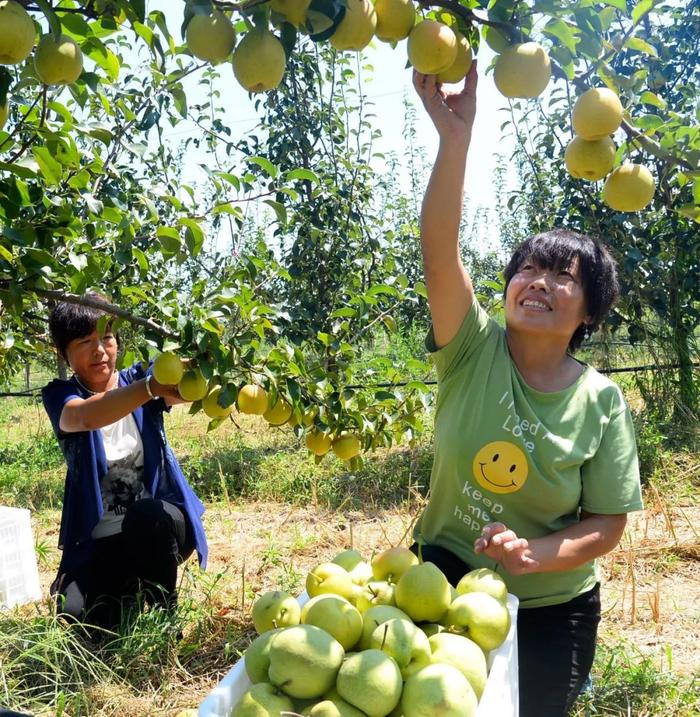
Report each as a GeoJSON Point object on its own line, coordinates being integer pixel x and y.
{"type": "Point", "coordinates": [19, 576]}
{"type": "Point", "coordinates": [500, 697]}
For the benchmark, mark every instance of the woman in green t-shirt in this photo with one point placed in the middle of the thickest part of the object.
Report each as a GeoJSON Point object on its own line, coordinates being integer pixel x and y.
{"type": "Point", "coordinates": [535, 464]}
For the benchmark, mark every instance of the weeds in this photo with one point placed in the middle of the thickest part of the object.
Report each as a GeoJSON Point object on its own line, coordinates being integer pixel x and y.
{"type": "Point", "coordinates": [627, 682]}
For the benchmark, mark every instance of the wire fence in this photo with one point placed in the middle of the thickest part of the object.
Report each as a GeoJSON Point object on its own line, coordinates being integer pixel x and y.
{"type": "Point", "coordinates": [32, 392]}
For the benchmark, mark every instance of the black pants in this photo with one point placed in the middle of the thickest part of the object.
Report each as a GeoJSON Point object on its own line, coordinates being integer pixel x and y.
{"type": "Point", "coordinates": [141, 561]}
{"type": "Point", "coordinates": [556, 643]}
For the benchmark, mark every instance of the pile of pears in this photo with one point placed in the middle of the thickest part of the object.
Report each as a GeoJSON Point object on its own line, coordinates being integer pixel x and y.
{"type": "Point", "coordinates": [385, 637]}
{"type": "Point", "coordinates": [252, 399]}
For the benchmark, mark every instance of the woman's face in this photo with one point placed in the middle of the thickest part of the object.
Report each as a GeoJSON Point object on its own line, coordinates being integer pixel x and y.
{"type": "Point", "coordinates": [93, 358]}
{"type": "Point", "coordinates": [546, 302]}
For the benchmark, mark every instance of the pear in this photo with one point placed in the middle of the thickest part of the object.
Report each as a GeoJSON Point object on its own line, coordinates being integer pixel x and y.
{"type": "Point", "coordinates": [211, 37]}
{"type": "Point", "coordinates": [522, 70]}
{"type": "Point", "coordinates": [17, 33]}
{"type": "Point", "coordinates": [259, 61]}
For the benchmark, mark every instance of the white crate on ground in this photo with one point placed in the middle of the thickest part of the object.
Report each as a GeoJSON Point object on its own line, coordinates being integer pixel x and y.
{"type": "Point", "coordinates": [19, 575]}
{"type": "Point", "coordinates": [500, 698]}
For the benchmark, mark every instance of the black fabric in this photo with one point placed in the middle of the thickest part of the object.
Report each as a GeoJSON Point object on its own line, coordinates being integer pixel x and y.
{"type": "Point", "coordinates": [10, 713]}
{"type": "Point", "coordinates": [140, 563]}
{"type": "Point", "coordinates": [556, 643]}
{"type": "Point", "coordinates": [556, 646]}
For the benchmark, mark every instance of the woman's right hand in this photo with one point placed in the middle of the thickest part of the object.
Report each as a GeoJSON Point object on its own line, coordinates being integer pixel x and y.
{"type": "Point", "coordinates": [452, 112]}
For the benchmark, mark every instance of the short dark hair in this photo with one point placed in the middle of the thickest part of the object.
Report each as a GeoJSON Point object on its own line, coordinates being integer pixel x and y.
{"type": "Point", "coordinates": [74, 321]}
{"type": "Point", "coordinates": [556, 249]}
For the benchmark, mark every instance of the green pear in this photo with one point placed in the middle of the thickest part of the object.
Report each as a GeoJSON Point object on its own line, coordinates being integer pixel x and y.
{"type": "Point", "coordinates": [374, 617]}
{"type": "Point", "coordinates": [329, 578]}
{"type": "Point", "coordinates": [262, 700]}
{"type": "Point", "coordinates": [336, 615]}
{"type": "Point", "coordinates": [391, 564]}
{"type": "Point", "coordinates": [257, 657]}
{"type": "Point", "coordinates": [480, 617]}
{"type": "Point", "coordinates": [361, 574]}
{"type": "Point", "coordinates": [438, 691]}
{"type": "Point", "coordinates": [423, 593]}
{"type": "Point", "coordinates": [375, 592]}
{"type": "Point", "coordinates": [371, 681]}
{"type": "Point", "coordinates": [275, 608]}
{"type": "Point", "coordinates": [485, 581]}
{"type": "Point", "coordinates": [334, 706]}
{"type": "Point", "coordinates": [348, 559]}
{"type": "Point", "coordinates": [462, 653]}
{"type": "Point", "coordinates": [405, 642]}
{"type": "Point", "coordinates": [432, 628]}
{"type": "Point", "coordinates": [304, 661]}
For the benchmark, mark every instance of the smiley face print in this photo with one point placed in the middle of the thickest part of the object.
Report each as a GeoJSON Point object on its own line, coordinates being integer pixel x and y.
{"type": "Point", "coordinates": [500, 467]}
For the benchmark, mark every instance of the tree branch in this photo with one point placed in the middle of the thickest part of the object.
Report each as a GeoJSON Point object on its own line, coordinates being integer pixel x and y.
{"type": "Point", "coordinates": [108, 308]}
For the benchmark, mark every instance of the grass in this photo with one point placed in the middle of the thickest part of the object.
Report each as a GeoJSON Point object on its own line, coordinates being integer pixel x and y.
{"type": "Point", "coordinates": [627, 682]}
{"type": "Point", "coordinates": [273, 514]}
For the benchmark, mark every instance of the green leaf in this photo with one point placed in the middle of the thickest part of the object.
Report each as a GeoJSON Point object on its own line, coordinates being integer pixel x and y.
{"type": "Point", "coordinates": [636, 43]}
{"type": "Point", "coordinates": [649, 98]}
{"type": "Point", "coordinates": [180, 99]}
{"type": "Point", "coordinates": [619, 4]}
{"type": "Point", "coordinates": [50, 168]}
{"type": "Point", "coordinates": [51, 17]}
{"type": "Point", "coordinates": [303, 174]}
{"type": "Point", "coordinates": [641, 9]}
{"type": "Point", "coordinates": [104, 58]}
{"type": "Point", "coordinates": [19, 169]}
{"type": "Point", "coordinates": [265, 164]}
{"type": "Point", "coordinates": [280, 210]}
{"type": "Point", "coordinates": [564, 32]}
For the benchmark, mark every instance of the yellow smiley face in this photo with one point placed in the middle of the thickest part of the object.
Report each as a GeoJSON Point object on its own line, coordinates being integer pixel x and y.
{"type": "Point", "coordinates": [500, 467]}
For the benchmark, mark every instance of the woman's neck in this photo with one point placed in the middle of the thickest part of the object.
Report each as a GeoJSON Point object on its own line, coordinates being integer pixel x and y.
{"type": "Point", "coordinates": [101, 387]}
{"type": "Point", "coordinates": [545, 364]}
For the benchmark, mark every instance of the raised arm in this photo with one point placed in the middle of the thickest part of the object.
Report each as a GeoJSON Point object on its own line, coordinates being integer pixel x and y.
{"type": "Point", "coordinates": [450, 292]}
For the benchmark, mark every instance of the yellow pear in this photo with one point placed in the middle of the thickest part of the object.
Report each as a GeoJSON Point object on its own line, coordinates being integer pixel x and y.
{"type": "Point", "coordinates": [259, 61]}
{"type": "Point", "coordinates": [346, 446]}
{"type": "Point", "coordinates": [395, 19]}
{"type": "Point", "coordinates": [17, 33]}
{"type": "Point", "coordinates": [432, 47]}
{"type": "Point", "coordinates": [522, 70]}
{"type": "Point", "coordinates": [4, 113]}
{"type": "Point", "coordinates": [279, 414]}
{"type": "Point", "coordinates": [211, 37]}
{"type": "Point", "coordinates": [596, 113]}
{"type": "Point", "coordinates": [590, 159]}
{"type": "Point", "coordinates": [168, 369]}
{"type": "Point", "coordinates": [457, 71]}
{"type": "Point", "coordinates": [629, 188]}
{"type": "Point", "coordinates": [318, 443]}
{"type": "Point", "coordinates": [211, 405]}
{"type": "Point", "coordinates": [356, 29]}
{"type": "Point", "coordinates": [293, 11]}
{"type": "Point", "coordinates": [192, 386]}
{"type": "Point", "coordinates": [58, 62]}
{"type": "Point", "coordinates": [252, 399]}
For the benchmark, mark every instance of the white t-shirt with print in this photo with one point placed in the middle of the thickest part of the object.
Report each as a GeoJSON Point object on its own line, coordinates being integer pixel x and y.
{"type": "Point", "coordinates": [122, 485]}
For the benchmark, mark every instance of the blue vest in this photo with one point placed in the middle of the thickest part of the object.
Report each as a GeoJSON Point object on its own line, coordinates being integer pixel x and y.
{"type": "Point", "coordinates": [85, 457]}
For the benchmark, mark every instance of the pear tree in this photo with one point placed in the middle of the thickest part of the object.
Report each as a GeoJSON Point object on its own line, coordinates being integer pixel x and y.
{"type": "Point", "coordinates": [92, 198]}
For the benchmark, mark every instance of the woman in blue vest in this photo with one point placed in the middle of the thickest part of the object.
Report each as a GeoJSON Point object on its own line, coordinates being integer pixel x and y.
{"type": "Point", "coordinates": [129, 515]}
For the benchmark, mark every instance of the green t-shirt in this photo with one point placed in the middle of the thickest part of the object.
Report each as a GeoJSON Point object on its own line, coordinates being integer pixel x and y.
{"type": "Point", "coordinates": [532, 460]}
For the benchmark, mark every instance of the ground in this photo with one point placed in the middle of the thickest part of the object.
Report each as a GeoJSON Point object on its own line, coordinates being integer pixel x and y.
{"type": "Point", "coordinates": [650, 582]}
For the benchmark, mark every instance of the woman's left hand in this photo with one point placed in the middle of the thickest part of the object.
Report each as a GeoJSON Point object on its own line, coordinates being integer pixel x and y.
{"type": "Point", "coordinates": [503, 545]}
